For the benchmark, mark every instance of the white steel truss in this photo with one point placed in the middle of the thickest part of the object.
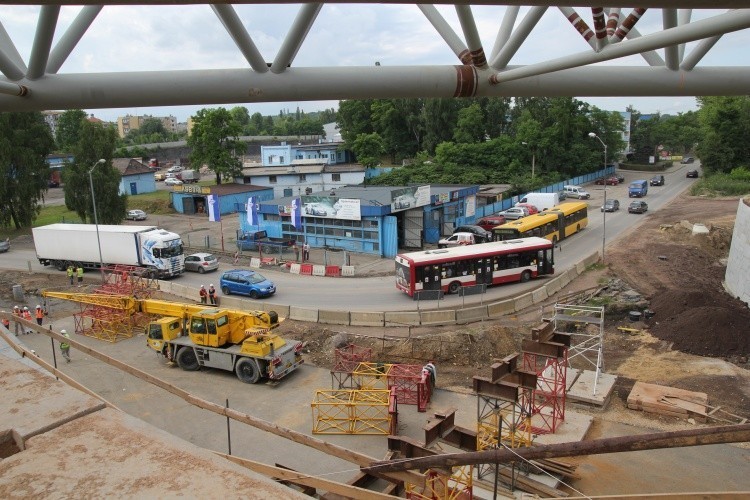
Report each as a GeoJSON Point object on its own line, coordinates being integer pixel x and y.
{"type": "Point", "coordinates": [611, 33]}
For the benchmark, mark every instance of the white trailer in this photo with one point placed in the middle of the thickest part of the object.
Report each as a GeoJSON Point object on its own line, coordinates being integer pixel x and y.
{"type": "Point", "coordinates": [61, 245]}
{"type": "Point", "coordinates": [542, 201]}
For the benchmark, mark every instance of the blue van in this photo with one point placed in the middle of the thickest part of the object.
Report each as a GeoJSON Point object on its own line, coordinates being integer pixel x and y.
{"type": "Point", "coordinates": [638, 189]}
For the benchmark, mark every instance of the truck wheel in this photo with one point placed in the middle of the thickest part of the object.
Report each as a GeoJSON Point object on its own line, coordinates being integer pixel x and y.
{"type": "Point", "coordinates": [247, 371]}
{"type": "Point", "coordinates": [186, 360]}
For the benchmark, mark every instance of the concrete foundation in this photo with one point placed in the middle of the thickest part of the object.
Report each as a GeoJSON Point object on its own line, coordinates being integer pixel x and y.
{"type": "Point", "coordinates": [582, 388]}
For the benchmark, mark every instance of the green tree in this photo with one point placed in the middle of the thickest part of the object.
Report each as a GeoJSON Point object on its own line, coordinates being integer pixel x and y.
{"type": "Point", "coordinates": [96, 142]}
{"type": "Point", "coordinates": [69, 129]}
{"type": "Point", "coordinates": [368, 148]}
{"type": "Point", "coordinates": [439, 117]}
{"type": "Point", "coordinates": [355, 118]}
{"type": "Point", "coordinates": [470, 125]}
{"type": "Point", "coordinates": [215, 142]}
{"type": "Point", "coordinates": [725, 124]}
{"type": "Point", "coordinates": [241, 115]}
{"type": "Point", "coordinates": [25, 141]}
{"type": "Point", "coordinates": [391, 123]}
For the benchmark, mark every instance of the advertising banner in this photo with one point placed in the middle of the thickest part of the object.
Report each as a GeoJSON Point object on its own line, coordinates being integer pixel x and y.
{"type": "Point", "coordinates": [297, 213]}
{"type": "Point", "coordinates": [471, 205]}
{"type": "Point", "coordinates": [329, 207]}
{"type": "Point", "coordinates": [406, 198]}
{"type": "Point", "coordinates": [214, 212]}
{"type": "Point", "coordinates": [252, 211]}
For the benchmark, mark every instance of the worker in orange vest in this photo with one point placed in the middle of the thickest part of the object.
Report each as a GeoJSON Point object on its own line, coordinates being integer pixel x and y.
{"type": "Point", "coordinates": [204, 295]}
{"type": "Point", "coordinates": [27, 316]}
{"type": "Point", "coordinates": [39, 315]}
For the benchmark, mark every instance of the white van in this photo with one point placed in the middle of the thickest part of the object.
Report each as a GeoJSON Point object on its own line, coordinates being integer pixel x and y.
{"type": "Point", "coordinates": [576, 192]}
{"type": "Point", "coordinates": [542, 201]}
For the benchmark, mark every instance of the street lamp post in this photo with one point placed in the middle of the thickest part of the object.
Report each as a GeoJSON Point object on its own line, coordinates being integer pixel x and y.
{"type": "Point", "coordinates": [604, 210]}
{"type": "Point", "coordinates": [96, 219]}
{"type": "Point", "coordinates": [533, 159]}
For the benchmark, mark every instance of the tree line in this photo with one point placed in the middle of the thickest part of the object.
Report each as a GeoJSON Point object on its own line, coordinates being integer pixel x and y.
{"type": "Point", "coordinates": [468, 141]}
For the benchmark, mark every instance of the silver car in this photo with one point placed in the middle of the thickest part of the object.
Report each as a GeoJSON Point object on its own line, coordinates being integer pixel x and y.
{"type": "Point", "coordinates": [514, 213]}
{"type": "Point", "coordinates": [201, 262]}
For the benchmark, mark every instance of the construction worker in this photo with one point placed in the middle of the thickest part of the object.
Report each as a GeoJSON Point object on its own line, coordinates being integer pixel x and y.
{"type": "Point", "coordinates": [204, 294]}
{"type": "Point", "coordinates": [64, 346]}
{"type": "Point", "coordinates": [27, 316]}
{"type": "Point", "coordinates": [212, 294]}
{"type": "Point", "coordinates": [39, 315]}
{"type": "Point", "coordinates": [431, 370]}
{"type": "Point", "coordinates": [79, 272]}
{"type": "Point", "coordinates": [71, 274]}
{"type": "Point", "coordinates": [6, 323]}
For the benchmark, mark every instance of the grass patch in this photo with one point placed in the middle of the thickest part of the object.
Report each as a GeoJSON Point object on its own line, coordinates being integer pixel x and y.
{"type": "Point", "coordinates": [716, 185]}
{"type": "Point", "coordinates": [596, 266]}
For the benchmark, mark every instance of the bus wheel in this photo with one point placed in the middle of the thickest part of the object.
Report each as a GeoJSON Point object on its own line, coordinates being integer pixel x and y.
{"type": "Point", "coordinates": [525, 276]}
{"type": "Point", "coordinates": [453, 287]}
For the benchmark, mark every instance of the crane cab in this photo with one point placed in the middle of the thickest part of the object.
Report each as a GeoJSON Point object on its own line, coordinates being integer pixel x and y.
{"type": "Point", "coordinates": [163, 329]}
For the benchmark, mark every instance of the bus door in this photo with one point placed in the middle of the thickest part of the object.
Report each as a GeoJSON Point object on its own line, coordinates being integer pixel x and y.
{"type": "Point", "coordinates": [544, 262]}
{"type": "Point", "coordinates": [484, 271]}
{"type": "Point", "coordinates": [431, 277]}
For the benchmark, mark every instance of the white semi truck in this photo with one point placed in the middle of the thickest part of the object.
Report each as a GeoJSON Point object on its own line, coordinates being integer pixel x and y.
{"type": "Point", "coordinates": [157, 250]}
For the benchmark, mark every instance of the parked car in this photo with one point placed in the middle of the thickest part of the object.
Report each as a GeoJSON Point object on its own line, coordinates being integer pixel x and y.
{"type": "Point", "coordinates": [243, 282]}
{"type": "Point", "coordinates": [160, 176]}
{"type": "Point", "coordinates": [4, 245]}
{"type": "Point", "coordinates": [481, 235]}
{"type": "Point", "coordinates": [657, 180]}
{"type": "Point", "coordinates": [608, 181]}
{"type": "Point", "coordinates": [173, 181]}
{"type": "Point", "coordinates": [687, 160]}
{"type": "Point", "coordinates": [52, 183]}
{"type": "Point", "coordinates": [490, 221]}
{"type": "Point", "coordinates": [620, 178]}
{"type": "Point", "coordinates": [136, 215]}
{"type": "Point", "coordinates": [531, 209]}
{"type": "Point", "coordinates": [692, 174]}
{"type": "Point", "coordinates": [201, 262]}
{"type": "Point", "coordinates": [457, 239]}
{"type": "Point", "coordinates": [637, 207]}
{"type": "Point", "coordinates": [576, 192]}
{"type": "Point", "coordinates": [514, 213]}
{"type": "Point", "coordinates": [174, 169]}
{"type": "Point", "coordinates": [611, 206]}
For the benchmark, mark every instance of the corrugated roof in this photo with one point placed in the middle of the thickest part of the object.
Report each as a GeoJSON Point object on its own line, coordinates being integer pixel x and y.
{"type": "Point", "coordinates": [130, 166]}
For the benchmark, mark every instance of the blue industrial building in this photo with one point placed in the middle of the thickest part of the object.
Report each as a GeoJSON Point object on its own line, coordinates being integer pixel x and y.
{"type": "Point", "coordinates": [137, 178]}
{"type": "Point", "coordinates": [192, 199]}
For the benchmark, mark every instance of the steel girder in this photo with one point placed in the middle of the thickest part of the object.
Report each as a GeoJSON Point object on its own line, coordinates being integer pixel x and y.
{"type": "Point", "coordinates": [611, 33]}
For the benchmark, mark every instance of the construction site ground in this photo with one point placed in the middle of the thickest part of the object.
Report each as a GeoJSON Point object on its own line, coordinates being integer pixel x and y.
{"type": "Point", "coordinates": [698, 338]}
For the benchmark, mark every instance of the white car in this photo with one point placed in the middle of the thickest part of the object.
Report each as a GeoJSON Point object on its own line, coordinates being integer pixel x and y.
{"type": "Point", "coordinates": [136, 215]}
{"type": "Point", "coordinates": [174, 169]}
{"type": "Point", "coordinates": [173, 181]}
{"type": "Point", "coordinates": [514, 213]}
{"type": "Point", "coordinates": [457, 239]}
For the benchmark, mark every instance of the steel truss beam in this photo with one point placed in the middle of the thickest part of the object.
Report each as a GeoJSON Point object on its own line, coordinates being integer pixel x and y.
{"type": "Point", "coordinates": [610, 32]}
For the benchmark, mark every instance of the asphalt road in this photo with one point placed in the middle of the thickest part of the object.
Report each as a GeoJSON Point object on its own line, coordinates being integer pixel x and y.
{"type": "Point", "coordinates": [380, 294]}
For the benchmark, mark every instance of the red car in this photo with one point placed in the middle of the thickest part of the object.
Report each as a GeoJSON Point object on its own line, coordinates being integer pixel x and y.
{"type": "Point", "coordinates": [608, 181]}
{"type": "Point", "coordinates": [529, 207]}
{"type": "Point", "coordinates": [487, 223]}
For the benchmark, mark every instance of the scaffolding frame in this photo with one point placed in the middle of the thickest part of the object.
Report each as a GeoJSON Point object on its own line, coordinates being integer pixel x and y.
{"type": "Point", "coordinates": [411, 383]}
{"type": "Point", "coordinates": [345, 361]}
{"type": "Point", "coordinates": [547, 400]}
{"type": "Point", "coordinates": [352, 411]}
{"type": "Point", "coordinates": [438, 486]}
{"type": "Point", "coordinates": [584, 345]}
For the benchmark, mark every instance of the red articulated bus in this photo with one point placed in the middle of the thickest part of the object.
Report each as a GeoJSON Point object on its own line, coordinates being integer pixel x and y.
{"type": "Point", "coordinates": [448, 269]}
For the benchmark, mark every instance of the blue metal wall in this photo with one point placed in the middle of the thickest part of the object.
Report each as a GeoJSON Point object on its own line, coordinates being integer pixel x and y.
{"type": "Point", "coordinates": [389, 237]}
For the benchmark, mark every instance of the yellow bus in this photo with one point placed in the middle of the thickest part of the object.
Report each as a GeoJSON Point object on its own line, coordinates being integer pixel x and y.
{"type": "Point", "coordinates": [555, 224]}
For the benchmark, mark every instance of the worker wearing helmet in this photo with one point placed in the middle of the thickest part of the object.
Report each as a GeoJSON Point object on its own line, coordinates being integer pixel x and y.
{"type": "Point", "coordinates": [212, 294]}
{"type": "Point", "coordinates": [26, 314]}
{"type": "Point", "coordinates": [64, 346]}
{"type": "Point", "coordinates": [39, 315]}
{"type": "Point", "coordinates": [204, 294]}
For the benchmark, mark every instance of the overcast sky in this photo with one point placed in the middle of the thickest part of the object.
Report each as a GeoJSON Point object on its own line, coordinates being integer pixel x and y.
{"type": "Point", "coordinates": [149, 38]}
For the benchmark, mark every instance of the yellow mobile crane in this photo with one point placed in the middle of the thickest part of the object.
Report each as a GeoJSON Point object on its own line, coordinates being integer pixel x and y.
{"type": "Point", "coordinates": [196, 335]}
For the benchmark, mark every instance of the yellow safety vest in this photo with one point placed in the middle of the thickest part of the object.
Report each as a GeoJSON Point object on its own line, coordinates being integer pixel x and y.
{"type": "Point", "coordinates": [80, 272]}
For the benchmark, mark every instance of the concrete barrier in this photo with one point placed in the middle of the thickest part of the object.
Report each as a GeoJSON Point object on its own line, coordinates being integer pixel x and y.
{"type": "Point", "coordinates": [333, 317]}
{"type": "Point", "coordinates": [553, 286]}
{"type": "Point", "coordinates": [592, 259]}
{"type": "Point", "coordinates": [524, 301]}
{"type": "Point", "coordinates": [501, 308]}
{"type": "Point", "coordinates": [367, 318]}
{"type": "Point", "coordinates": [471, 314]}
{"type": "Point", "coordinates": [580, 267]}
{"type": "Point", "coordinates": [539, 295]}
{"type": "Point", "coordinates": [401, 318]}
{"type": "Point", "coordinates": [437, 317]}
{"type": "Point", "coordinates": [319, 270]}
{"type": "Point", "coordinates": [302, 314]}
{"type": "Point", "coordinates": [347, 271]}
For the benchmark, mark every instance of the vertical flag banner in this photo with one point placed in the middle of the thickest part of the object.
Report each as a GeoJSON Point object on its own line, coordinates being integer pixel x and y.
{"type": "Point", "coordinates": [296, 213]}
{"type": "Point", "coordinates": [214, 212]}
{"type": "Point", "coordinates": [252, 211]}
